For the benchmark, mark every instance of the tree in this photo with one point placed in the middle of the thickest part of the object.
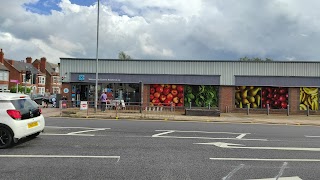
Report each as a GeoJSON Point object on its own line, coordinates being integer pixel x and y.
{"type": "Point", "coordinates": [123, 56]}
{"type": "Point", "coordinates": [254, 59]}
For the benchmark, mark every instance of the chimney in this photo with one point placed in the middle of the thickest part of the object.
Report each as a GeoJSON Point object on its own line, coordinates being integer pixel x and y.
{"type": "Point", "coordinates": [29, 60]}
{"type": "Point", "coordinates": [10, 62]}
{"type": "Point", "coordinates": [1, 57]}
{"type": "Point", "coordinates": [43, 64]}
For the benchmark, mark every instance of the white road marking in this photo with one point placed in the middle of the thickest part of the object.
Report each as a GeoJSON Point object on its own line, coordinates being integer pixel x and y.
{"type": "Point", "coordinates": [282, 178]}
{"type": "Point", "coordinates": [281, 170]}
{"type": "Point", "coordinates": [241, 136]}
{"type": "Point", "coordinates": [61, 127]}
{"type": "Point", "coordinates": [273, 160]}
{"type": "Point", "coordinates": [233, 171]}
{"type": "Point", "coordinates": [52, 134]}
{"type": "Point", "coordinates": [204, 132]}
{"type": "Point", "coordinates": [160, 134]}
{"type": "Point", "coordinates": [91, 130]}
{"type": "Point", "coordinates": [313, 136]}
{"type": "Point", "coordinates": [58, 156]}
{"type": "Point", "coordinates": [241, 146]}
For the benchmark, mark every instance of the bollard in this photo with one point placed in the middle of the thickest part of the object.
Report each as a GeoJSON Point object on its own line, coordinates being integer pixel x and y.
{"type": "Point", "coordinates": [308, 110]}
{"type": "Point", "coordinates": [288, 110]}
{"type": "Point", "coordinates": [248, 108]}
{"type": "Point", "coordinates": [268, 109]}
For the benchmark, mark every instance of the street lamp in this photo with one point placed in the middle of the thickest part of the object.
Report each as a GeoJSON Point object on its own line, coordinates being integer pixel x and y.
{"type": "Point", "coordinates": [97, 52]}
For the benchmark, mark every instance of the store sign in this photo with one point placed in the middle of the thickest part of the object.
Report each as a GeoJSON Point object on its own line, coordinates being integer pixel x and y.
{"type": "Point", "coordinates": [81, 77]}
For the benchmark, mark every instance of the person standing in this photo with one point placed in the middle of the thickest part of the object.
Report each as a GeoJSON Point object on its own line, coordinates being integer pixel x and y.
{"type": "Point", "coordinates": [103, 100]}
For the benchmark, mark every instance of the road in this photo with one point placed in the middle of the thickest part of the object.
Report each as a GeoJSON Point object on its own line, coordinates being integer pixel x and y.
{"type": "Point", "coordinates": [120, 149]}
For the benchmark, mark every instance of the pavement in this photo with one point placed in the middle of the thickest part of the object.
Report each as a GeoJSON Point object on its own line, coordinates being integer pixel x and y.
{"type": "Point", "coordinates": [313, 120]}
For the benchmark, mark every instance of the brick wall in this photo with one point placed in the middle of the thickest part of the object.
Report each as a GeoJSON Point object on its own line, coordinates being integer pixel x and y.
{"type": "Point", "coordinates": [226, 98]}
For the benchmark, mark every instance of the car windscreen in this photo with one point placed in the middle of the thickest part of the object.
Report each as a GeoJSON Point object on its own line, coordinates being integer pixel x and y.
{"type": "Point", "coordinates": [27, 107]}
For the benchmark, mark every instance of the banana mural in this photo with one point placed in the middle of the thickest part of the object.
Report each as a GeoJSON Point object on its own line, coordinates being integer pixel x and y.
{"type": "Point", "coordinates": [309, 96]}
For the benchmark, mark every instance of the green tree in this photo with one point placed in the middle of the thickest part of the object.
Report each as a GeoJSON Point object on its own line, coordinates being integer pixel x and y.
{"type": "Point", "coordinates": [123, 56]}
{"type": "Point", "coordinates": [254, 59]}
{"type": "Point", "coordinates": [13, 89]}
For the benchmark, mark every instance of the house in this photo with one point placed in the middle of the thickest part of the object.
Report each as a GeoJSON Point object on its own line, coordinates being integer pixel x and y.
{"type": "Point", "coordinates": [52, 74]}
{"type": "Point", "coordinates": [4, 74]}
{"type": "Point", "coordinates": [17, 73]}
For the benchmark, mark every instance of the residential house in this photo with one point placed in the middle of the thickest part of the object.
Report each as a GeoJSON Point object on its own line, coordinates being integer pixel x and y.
{"type": "Point", "coordinates": [52, 74]}
{"type": "Point", "coordinates": [4, 74]}
{"type": "Point", "coordinates": [18, 72]}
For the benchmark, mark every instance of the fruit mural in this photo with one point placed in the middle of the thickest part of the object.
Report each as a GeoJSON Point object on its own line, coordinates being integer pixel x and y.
{"type": "Point", "coordinates": [201, 96]}
{"type": "Point", "coordinates": [164, 94]}
{"type": "Point", "coordinates": [259, 97]}
{"type": "Point", "coordinates": [309, 97]}
{"type": "Point", "coordinates": [248, 94]}
{"type": "Point", "coordinates": [276, 97]}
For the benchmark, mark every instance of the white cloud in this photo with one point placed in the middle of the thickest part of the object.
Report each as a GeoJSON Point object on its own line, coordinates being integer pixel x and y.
{"type": "Point", "coordinates": [167, 29]}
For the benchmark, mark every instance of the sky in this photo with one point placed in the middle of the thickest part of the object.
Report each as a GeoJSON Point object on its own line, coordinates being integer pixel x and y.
{"type": "Point", "coordinates": [282, 30]}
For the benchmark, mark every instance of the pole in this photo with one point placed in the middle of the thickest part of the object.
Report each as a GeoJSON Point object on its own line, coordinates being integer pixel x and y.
{"type": "Point", "coordinates": [97, 53]}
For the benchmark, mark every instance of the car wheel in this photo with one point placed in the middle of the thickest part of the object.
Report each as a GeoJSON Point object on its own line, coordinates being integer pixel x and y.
{"type": "Point", "coordinates": [6, 139]}
{"type": "Point", "coordinates": [34, 135]}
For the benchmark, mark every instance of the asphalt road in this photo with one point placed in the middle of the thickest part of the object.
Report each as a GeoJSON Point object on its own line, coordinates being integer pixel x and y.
{"type": "Point", "coordinates": [111, 149]}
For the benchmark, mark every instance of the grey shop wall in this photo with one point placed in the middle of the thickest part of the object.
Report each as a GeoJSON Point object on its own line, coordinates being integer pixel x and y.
{"type": "Point", "coordinates": [227, 70]}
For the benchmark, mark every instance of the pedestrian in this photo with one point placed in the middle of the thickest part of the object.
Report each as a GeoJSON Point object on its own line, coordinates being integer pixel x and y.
{"type": "Point", "coordinates": [46, 98]}
{"type": "Point", "coordinates": [103, 100]}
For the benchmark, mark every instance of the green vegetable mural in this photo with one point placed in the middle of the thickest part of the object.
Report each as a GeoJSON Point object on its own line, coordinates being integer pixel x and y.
{"type": "Point", "coordinates": [201, 96]}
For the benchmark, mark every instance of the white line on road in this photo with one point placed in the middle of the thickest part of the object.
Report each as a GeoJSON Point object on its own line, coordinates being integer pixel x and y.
{"type": "Point", "coordinates": [281, 170]}
{"type": "Point", "coordinates": [256, 159]}
{"type": "Point", "coordinates": [233, 171]}
{"type": "Point", "coordinates": [204, 132]}
{"type": "Point", "coordinates": [58, 156]}
{"type": "Point", "coordinates": [157, 135]}
{"type": "Point", "coordinates": [241, 136]}
{"type": "Point", "coordinates": [52, 134]}
{"type": "Point", "coordinates": [60, 127]}
{"type": "Point", "coordinates": [241, 146]}
{"type": "Point", "coordinates": [313, 136]}
{"type": "Point", "coordinates": [91, 130]}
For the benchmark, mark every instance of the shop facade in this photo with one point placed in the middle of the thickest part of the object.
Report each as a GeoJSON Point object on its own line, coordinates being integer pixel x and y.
{"type": "Point", "coordinates": [231, 86]}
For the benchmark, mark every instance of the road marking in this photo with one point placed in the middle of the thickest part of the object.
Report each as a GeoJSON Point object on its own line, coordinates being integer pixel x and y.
{"type": "Point", "coordinates": [91, 130]}
{"type": "Point", "coordinates": [52, 134]}
{"type": "Point", "coordinates": [233, 171]}
{"type": "Point", "coordinates": [281, 170]}
{"type": "Point", "coordinates": [282, 178]}
{"type": "Point", "coordinates": [241, 136]}
{"type": "Point", "coordinates": [273, 160]}
{"type": "Point", "coordinates": [58, 156]}
{"type": "Point", "coordinates": [204, 132]}
{"type": "Point", "coordinates": [241, 146]}
{"type": "Point", "coordinates": [61, 127]}
{"type": "Point", "coordinates": [313, 136]}
{"type": "Point", "coordinates": [160, 134]}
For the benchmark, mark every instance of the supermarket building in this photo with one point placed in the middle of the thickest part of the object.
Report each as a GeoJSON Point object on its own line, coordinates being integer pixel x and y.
{"type": "Point", "coordinates": [227, 85]}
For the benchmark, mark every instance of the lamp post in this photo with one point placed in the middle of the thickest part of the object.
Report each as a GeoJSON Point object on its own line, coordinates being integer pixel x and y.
{"type": "Point", "coordinates": [97, 52]}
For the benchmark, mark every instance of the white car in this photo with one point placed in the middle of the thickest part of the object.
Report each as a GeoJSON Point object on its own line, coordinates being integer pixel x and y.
{"type": "Point", "coordinates": [19, 117]}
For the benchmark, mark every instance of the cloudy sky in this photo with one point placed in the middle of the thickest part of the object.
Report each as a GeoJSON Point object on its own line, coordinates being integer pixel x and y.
{"type": "Point", "coordinates": [286, 30]}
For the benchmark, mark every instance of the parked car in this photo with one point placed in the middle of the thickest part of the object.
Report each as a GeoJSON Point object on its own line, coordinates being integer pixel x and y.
{"type": "Point", "coordinates": [38, 98]}
{"type": "Point", "coordinates": [20, 117]}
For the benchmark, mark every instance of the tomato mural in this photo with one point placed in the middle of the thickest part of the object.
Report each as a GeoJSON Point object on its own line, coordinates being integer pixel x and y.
{"type": "Point", "coordinates": [309, 97]}
{"type": "Point", "coordinates": [165, 94]}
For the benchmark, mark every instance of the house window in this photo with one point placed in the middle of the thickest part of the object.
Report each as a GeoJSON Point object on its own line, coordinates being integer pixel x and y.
{"type": "Point", "coordinates": [42, 80]}
{"type": "Point", "coordinates": [55, 79]}
{"type": "Point", "coordinates": [56, 90]}
{"type": "Point", "coordinates": [41, 90]}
